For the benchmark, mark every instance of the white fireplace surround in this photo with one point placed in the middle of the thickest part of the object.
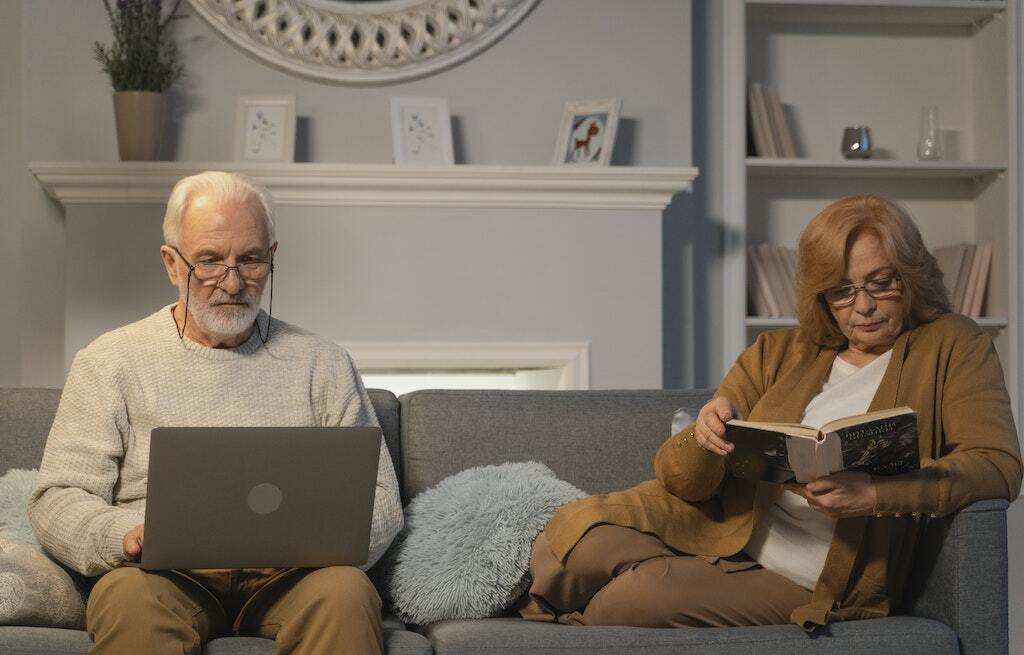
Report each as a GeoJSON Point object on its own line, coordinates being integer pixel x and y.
{"type": "Point", "coordinates": [570, 359]}
{"type": "Point", "coordinates": [381, 185]}
{"type": "Point", "coordinates": [593, 210]}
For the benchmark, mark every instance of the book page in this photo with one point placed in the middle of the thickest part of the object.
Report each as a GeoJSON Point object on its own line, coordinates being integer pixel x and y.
{"type": "Point", "coordinates": [804, 459]}
{"type": "Point", "coordinates": [790, 429]}
{"type": "Point", "coordinates": [864, 418]}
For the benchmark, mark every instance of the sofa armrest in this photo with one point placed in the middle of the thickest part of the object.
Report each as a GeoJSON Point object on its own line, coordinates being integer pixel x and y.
{"type": "Point", "coordinates": [960, 576]}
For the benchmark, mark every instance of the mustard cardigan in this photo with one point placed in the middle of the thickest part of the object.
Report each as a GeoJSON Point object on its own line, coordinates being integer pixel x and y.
{"type": "Point", "coordinates": [946, 370]}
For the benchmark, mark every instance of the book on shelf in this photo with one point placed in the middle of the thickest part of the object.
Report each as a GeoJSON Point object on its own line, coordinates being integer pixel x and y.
{"type": "Point", "coordinates": [782, 288]}
{"type": "Point", "coordinates": [771, 278]}
{"type": "Point", "coordinates": [878, 443]}
{"type": "Point", "coordinates": [971, 273]}
{"type": "Point", "coordinates": [951, 260]}
{"type": "Point", "coordinates": [780, 126]}
{"type": "Point", "coordinates": [760, 289]}
{"type": "Point", "coordinates": [966, 268]}
{"type": "Point", "coordinates": [772, 135]}
{"type": "Point", "coordinates": [984, 257]}
{"type": "Point", "coordinates": [763, 142]}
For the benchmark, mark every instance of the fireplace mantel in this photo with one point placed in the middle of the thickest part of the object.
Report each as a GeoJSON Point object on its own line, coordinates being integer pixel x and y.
{"type": "Point", "coordinates": [380, 185]}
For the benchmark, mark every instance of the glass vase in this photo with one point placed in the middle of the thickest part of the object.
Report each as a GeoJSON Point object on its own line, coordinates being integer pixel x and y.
{"type": "Point", "coordinates": [928, 145]}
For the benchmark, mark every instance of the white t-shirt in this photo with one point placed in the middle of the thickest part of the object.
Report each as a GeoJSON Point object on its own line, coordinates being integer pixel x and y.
{"type": "Point", "coordinates": [793, 539]}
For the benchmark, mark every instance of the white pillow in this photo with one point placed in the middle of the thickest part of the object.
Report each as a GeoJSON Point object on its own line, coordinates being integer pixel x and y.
{"type": "Point", "coordinates": [36, 591]}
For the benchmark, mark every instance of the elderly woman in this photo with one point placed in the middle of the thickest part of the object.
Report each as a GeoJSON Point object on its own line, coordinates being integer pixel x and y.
{"type": "Point", "coordinates": [699, 547]}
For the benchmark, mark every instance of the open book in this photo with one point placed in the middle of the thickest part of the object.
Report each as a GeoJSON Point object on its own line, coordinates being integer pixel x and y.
{"type": "Point", "coordinates": [879, 443]}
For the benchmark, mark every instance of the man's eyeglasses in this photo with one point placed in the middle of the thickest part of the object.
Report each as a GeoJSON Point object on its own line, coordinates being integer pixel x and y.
{"type": "Point", "coordinates": [878, 288]}
{"type": "Point", "coordinates": [210, 273]}
{"type": "Point", "coordinates": [214, 272]}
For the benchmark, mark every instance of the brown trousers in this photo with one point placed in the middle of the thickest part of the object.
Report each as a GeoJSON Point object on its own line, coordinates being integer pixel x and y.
{"type": "Point", "coordinates": [306, 611]}
{"type": "Point", "coordinates": [619, 576]}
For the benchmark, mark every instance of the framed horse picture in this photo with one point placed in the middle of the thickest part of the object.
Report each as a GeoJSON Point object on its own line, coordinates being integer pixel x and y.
{"type": "Point", "coordinates": [587, 133]}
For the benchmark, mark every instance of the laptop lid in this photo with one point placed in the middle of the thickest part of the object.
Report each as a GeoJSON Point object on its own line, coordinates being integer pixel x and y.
{"type": "Point", "coordinates": [259, 497]}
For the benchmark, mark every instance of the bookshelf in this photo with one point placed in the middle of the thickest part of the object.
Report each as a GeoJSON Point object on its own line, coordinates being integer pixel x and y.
{"type": "Point", "coordinates": [837, 63]}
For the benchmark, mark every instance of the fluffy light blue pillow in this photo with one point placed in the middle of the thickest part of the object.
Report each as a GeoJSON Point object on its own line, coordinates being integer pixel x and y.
{"type": "Point", "coordinates": [465, 549]}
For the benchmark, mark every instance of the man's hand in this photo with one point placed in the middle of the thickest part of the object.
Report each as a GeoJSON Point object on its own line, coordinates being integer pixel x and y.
{"type": "Point", "coordinates": [841, 495]}
{"type": "Point", "coordinates": [132, 544]}
{"type": "Point", "coordinates": [709, 429]}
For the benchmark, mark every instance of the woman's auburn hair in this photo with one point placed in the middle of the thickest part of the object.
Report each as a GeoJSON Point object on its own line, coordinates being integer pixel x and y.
{"type": "Point", "coordinates": [823, 253]}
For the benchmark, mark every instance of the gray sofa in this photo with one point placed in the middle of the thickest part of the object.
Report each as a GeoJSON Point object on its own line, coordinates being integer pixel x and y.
{"type": "Point", "coordinates": [599, 441]}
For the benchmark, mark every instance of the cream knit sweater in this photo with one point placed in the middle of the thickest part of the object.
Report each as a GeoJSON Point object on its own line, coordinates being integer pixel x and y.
{"type": "Point", "coordinates": [91, 488]}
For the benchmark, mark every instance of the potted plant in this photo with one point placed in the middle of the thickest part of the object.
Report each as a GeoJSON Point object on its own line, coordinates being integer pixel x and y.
{"type": "Point", "coordinates": [142, 63]}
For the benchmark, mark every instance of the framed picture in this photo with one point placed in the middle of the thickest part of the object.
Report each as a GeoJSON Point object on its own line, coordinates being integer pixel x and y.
{"type": "Point", "coordinates": [265, 128]}
{"type": "Point", "coordinates": [587, 133]}
{"type": "Point", "coordinates": [421, 131]}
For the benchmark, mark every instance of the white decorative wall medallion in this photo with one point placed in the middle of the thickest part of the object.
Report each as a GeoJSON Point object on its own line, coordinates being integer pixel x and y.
{"type": "Point", "coordinates": [362, 42]}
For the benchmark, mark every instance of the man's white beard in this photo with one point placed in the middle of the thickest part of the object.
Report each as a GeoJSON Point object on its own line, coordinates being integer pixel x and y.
{"type": "Point", "coordinates": [224, 321]}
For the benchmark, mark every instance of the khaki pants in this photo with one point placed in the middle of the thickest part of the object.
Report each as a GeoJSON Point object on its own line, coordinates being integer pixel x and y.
{"type": "Point", "coordinates": [619, 576]}
{"type": "Point", "coordinates": [307, 611]}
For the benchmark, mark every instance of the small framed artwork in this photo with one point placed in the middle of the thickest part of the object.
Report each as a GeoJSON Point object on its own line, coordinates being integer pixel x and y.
{"type": "Point", "coordinates": [587, 133]}
{"type": "Point", "coordinates": [421, 131]}
{"type": "Point", "coordinates": [265, 129]}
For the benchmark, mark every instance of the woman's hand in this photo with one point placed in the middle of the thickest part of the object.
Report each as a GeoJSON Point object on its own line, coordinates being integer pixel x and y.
{"type": "Point", "coordinates": [841, 495]}
{"type": "Point", "coordinates": [709, 429]}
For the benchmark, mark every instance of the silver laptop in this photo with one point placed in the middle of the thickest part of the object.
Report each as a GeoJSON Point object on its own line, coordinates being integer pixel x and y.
{"type": "Point", "coordinates": [259, 497]}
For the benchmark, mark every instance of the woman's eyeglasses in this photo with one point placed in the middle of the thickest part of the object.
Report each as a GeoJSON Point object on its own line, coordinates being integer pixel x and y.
{"type": "Point", "coordinates": [878, 288]}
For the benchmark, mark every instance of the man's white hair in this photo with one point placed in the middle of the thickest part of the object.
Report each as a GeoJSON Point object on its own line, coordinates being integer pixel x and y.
{"type": "Point", "coordinates": [221, 187]}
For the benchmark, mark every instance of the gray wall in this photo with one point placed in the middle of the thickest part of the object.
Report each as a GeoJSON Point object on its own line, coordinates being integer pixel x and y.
{"type": "Point", "coordinates": [506, 102]}
{"type": "Point", "coordinates": [10, 196]}
{"type": "Point", "coordinates": [449, 275]}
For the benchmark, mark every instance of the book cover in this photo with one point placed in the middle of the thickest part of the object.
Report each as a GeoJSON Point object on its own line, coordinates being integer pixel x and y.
{"type": "Point", "coordinates": [884, 446]}
{"type": "Point", "coordinates": [878, 443]}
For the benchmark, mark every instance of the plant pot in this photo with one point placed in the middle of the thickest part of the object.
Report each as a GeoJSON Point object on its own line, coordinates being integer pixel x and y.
{"type": "Point", "coordinates": [138, 115]}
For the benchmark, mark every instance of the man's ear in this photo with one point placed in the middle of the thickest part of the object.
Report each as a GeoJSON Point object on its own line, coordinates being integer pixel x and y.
{"type": "Point", "coordinates": [170, 263]}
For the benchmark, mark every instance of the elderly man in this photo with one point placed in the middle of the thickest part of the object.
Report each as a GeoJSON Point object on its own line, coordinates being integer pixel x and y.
{"type": "Point", "coordinates": [213, 358]}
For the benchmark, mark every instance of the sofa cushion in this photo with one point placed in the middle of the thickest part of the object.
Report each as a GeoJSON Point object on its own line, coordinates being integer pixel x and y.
{"type": "Point", "coordinates": [897, 634]}
{"type": "Point", "coordinates": [598, 441]}
{"type": "Point", "coordinates": [465, 549]}
{"type": "Point", "coordinates": [36, 591]}
{"type": "Point", "coordinates": [25, 418]}
{"type": "Point", "coordinates": [54, 641]}
{"type": "Point", "coordinates": [385, 406]}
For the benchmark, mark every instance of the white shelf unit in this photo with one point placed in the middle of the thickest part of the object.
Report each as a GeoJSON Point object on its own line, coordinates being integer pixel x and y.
{"type": "Point", "coordinates": [837, 63]}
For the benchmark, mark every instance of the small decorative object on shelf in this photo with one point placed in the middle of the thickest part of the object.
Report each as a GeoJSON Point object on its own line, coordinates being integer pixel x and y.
{"type": "Point", "coordinates": [856, 142]}
{"type": "Point", "coordinates": [142, 63]}
{"type": "Point", "coordinates": [421, 131]}
{"type": "Point", "coordinates": [265, 128]}
{"type": "Point", "coordinates": [929, 145]}
{"type": "Point", "coordinates": [587, 133]}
